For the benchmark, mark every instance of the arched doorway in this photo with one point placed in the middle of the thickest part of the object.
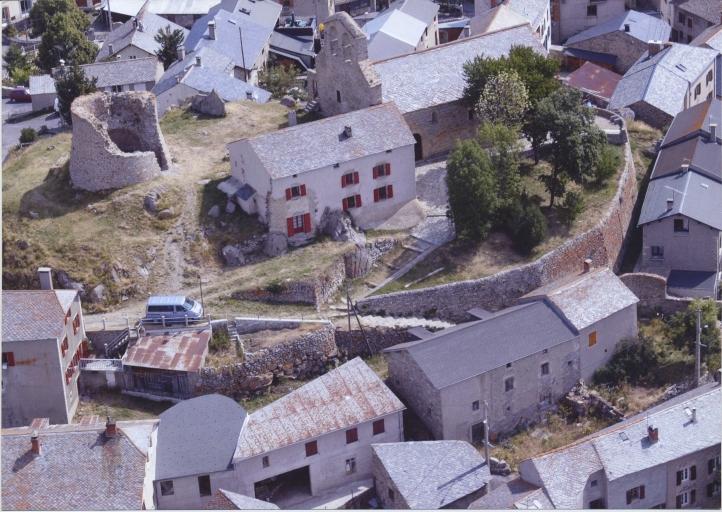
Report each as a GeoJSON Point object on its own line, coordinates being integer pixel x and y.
{"type": "Point", "coordinates": [418, 149]}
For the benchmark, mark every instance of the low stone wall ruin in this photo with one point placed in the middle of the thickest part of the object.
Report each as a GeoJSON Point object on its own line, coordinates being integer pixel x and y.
{"type": "Point", "coordinates": [117, 141]}
{"type": "Point", "coordinates": [651, 289]}
{"type": "Point", "coordinates": [604, 244]}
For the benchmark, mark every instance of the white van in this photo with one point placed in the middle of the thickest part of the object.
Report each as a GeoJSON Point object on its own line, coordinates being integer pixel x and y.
{"type": "Point", "coordinates": [172, 309]}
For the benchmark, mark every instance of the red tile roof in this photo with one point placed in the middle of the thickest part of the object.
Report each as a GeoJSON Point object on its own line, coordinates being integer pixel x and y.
{"type": "Point", "coordinates": [594, 80]}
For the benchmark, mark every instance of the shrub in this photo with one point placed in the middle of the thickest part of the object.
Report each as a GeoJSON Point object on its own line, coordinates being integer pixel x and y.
{"type": "Point", "coordinates": [275, 287]}
{"type": "Point", "coordinates": [10, 31]}
{"type": "Point", "coordinates": [573, 206]}
{"type": "Point", "coordinates": [28, 135]}
{"type": "Point", "coordinates": [607, 165]}
{"type": "Point", "coordinates": [219, 341]}
{"type": "Point", "coordinates": [631, 362]}
{"type": "Point", "coordinates": [530, 229]}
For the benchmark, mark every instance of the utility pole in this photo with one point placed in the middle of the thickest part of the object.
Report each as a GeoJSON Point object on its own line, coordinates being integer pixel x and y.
{"type": "Point", "coordinates": [486, 434]}
{"type": "Point", "coordinates": [110, 18]}
{"type": "Point", "coordinates": [698, 349]}
{"type": "Point", "coordinates": [200, 284]}
{"type": "Point", "coordinates": [243, 56]}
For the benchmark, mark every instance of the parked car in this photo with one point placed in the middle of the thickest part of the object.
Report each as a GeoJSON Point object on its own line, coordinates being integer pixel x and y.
{"type": "Point", "coordinates": [20, 95]}
{"type": "Point", "coordinates": [172, 309]}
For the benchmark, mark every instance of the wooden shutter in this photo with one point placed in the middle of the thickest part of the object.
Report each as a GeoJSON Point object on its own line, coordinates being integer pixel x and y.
{"type": "Point", "coordinates": [679, 477]}
{"type": "Point", "coordinates": [344, 203]}
{"type": "Point", "coordinates": [355, 177]}
{"type": "Point", "coordinates": [693, 472]}
{"type": "Point", "coordinates": [387, 169]}
{"type": "Point", "coordinates": [692, 496]}
{"type": "Point", "coordinates": [629, 497]}
{"type": "Point", "coordinates": [288, 194]}
{"type": "Point", "coordinates": [641, 492]}
{"type": "Point", "coordinates": [710, 466]}
{"type": "Point", "coordinates": [358, 201]}
{"type": "Point", "coordinates": [343, 180]}
{"type": "Point", "coordinates": [10, 358]}
{"type": "Point", "coordinates": [389, 192]}
{"type": "Point", "coordinates": [679, 501]}
{"type": "Point", "coordinates": [303, 190]}
{"type": "Point", "coordinates": [289, 226]}
{"type": "Point", "coordinates": [307, 223]}
{"type": "Point", "coordinates": [376, 195]}
{"type": "Point", "coordinates": [376, 172]}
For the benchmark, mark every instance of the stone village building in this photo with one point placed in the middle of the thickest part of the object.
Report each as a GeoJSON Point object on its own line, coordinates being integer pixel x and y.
{"type": "Point", "coordinates": [536, 12]}
{"type": "Point", "coordinates": [314, 439]}
{"type": "Point", "coordinates": [515, 363]}
{"type": "Point", "coordinates": [681, 217]}
{"type": "Point", "coordinates": [570, 17]}
{"type": "Point", "coordinates": [427, 86]}
{"type": "Point", "coordinates": [43, 341]}
{"type": "Point", "coordinates": [361, 162]}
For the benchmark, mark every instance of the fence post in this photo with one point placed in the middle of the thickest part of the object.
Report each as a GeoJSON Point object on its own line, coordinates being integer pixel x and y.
{"type": "Point", "coordinates": [103, 323]}
{"type": "Point", "coordinates": [186, 320]}
{"type": "Point", "coordinates": [162, 319]}
{"type": "Point", "coordinates": [106, 349]}
{"type": "Point", "coordinates": [127, 322]}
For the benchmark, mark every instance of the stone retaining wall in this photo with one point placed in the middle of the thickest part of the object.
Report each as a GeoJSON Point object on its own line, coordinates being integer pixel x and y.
{"type": "Point", "coordinates": [352, 343]}
{"type": "Point", "coordinates": [651, 289]}
{"type": "Point", "coordinates": [604, 244]}
{"type": "Point", "coordinates": [249, 325]}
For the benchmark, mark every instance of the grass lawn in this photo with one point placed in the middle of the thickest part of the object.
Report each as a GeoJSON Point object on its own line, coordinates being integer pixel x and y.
{"type": "Point", "coordinates": [119, 406]}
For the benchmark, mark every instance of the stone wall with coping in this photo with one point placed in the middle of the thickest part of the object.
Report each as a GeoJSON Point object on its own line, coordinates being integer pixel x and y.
{"type": "Point", "coordinates": [249, 325]}
{"type": "Point", "coordinates": [371, 341]}
{"type": "Point", "coordinates": [604, 244]}
{"type": "Point", "coordinates": [651, 289]}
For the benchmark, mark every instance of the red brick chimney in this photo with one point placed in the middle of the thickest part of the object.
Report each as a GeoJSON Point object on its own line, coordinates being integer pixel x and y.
{"type": "Point", "coordinates": [35, 442]}
{"type": "Point", "coordinates": [587, 265]}
{"type": "Point", "coordinates": [110, 429]}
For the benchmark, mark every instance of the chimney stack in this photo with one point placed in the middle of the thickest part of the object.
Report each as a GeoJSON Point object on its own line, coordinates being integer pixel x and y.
{"type": "Point", "coordinates": [347, 132]}
{"type": "Point", "coordinates": [110, 48]}
{"type": "Point", "coordinates": [713, 131]}
{"type": "Point", "coordinates": [198, 60]}
{"type": "Point", "coordinates": [670, 203]}
{"type": "Point", "coordinates": [211, 29]}
{"type": "Point", "coordinates": [654, 47]}
{"type": "Point", "coordinates": [587, 265]}
{"type": "Point", "coordinates": [181, 52]}
{"type": "Point", "coordinates": [653, 434]}
{"type": "Point", "coordinates": [626, 27]}
{"type": "Point", "coordinates": [110, 429]}
{"type": "Point", "coordinates": [35, 443]}
{"type": "Point", "coordinates": [694, 415]}
{"type": "Point", "coordinates": [46, 278]}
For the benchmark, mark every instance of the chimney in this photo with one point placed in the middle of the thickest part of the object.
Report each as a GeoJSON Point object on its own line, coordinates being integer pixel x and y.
{"type": "Point", "coordinates": [653, 434]}
{"type": "Point", "coordinates": [181, 52]}
{"type": "Point", "coordinates": [62, 63]}
{"type": "Point", "coordinates": [211, 29]}
{"type": "Point", "coordinates": [347, 132]}
{"type": "Point", "coordinates": [35, 442]}
{"type": "Point", "coordinates": [694, 415]}
{"type": "Point", "coordinates": [45, 275]}
{"type": "Point", "coordinates": [654, 47]}
{"type": "Point", "coordinates": [198, 60]}
{"type": "Point", "coordinates": [713, 131]}
{"type": "Point", "coordinates": [626, 27]}
{"type": "Point", "coordinates": [110, 429]}
{"type": "Point", "coordinates": [135, 22]}
{"type": "Point", "coordinates": [587, 265]}
{"type": "Point", "coordinates": [670, 203]}
{"type": "Point", "coordinates": [110, 48]}
{"type": "Point", "coordinates": [292, 120]}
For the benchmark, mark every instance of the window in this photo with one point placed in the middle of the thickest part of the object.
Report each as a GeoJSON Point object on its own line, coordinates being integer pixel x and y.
{"type": "Point", "coordinates": [475, 405]}
{"type": "Point", "coordinates": [338, 96]}
{"type": "Point", "coordinates": [299, 224]}
{"type": "Point", "coordinates": [545, 369]}
{"type": "Point", "coordinates": [712, 464]}
{"type": "Point", "coordinates": [508, 365]}
{"type": "Point", "coordinates": [351, 435]}
{"type": "Point", "coordinates": [689, 23]}
{"type": "Point", "coordinates": [685, 474]}
{"type": "Point", "coordinates": [636, 493]}
{"type": "Point", "coordinates": [658, 252]}
{"type": "Point", "coordinates": [593, 483]}
{"type": "Point", "coordinates": [592, 338]}
{"type": "Point", "coordinates": [76, 323]}
{"type": "Point", "coordinates": [434, 117]}
{"type": "Point", "coordinates": [680, 18]}
{"type": "Point", "coordinates": [350, 466]}
{"type": "Point", "coordinates": [382, 170]}
{"type": "Point", "coordinates": [697, 90]}
{"type": "Point", "coordinates": [133, 57]}
{"type": "Point", "coordinates": [266, 462]}
{"type": "Point", "coordinates": [686, 498]}
{"type": "Point", "coordinates": [509, 384]}
{"type": "Point", "coordinates": [569, 363]}
{"type": "Point", "coordinates": [204, 485]}
{"type": "Point", "coordinates": [392, 495]}
{"type": "Point", "coordinates": [116, 88]}
{"type": "Point", "coordinates": [166, 488]}
{"type": "Point", "coordinates": [681, 225]}
{"type": "Point", "coordinates": [297, 191]}
{"type": "Point", "coordinates": [591, 10]}
{"type": "Point", "coordinates": [8, 359]}
{"type": "Point", "coordinates": [379, 427]}
{"type": "Point", "coordinates": [598, 503]}
{"type": "Point", "coordinates": [709, 77]}
{"type": "Point", "coordinates": [350, 178]}
{"type": "Point", "coordinates": [713, 489]}
{"type": "Point", "coordinates": [383, 193]}
{"type": "Point", "coordinates": [311, 448]}
{"type": "Point", "coordinates": [351, 202]}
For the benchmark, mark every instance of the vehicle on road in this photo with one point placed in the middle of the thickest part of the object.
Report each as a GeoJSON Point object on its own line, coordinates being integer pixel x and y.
{"type": "Point", "coordinates": [172, 309]}
{"type": "Point", "coordinates": [20, 95]}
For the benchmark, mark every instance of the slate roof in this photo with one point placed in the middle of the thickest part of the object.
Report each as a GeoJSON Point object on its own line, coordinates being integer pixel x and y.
{"type": "Point", "coordinates": [78, 468]}
{"type": "Point", "coordinates": [42, 84]}
{"type": "Point", "coordinates": [344, 397]}
{"type": "Point", "coordinates": [393, 24]}
{"type": "Point", "coordinates": [587, 298]}
{"type": "Point", "coordinates": [435, 76]}
{"type": "Point", "coordinates": [128, 34]}
{"type": "Point", "coordinates": [132, 7]}
{"type": "Point", "coordinates": [533, 10]}
{"type": "Point", "coordinates": [594, 79]}
{"type": "Point", "coordinates": [318, 144]}
{"type": "Point", "coordinates": [458, 353]}
{"type": "Point", "coordinates": [500, 17]}
{"type": "Point", "coordinates": [124, 72]}
{"type": "Point", "coordinates": [182, 350]}
{"type": "Point", "coordinates": [711, 37]}
{"type": "Point", "coordinates": [693, 280]}
{"type": "Point", "coordinates": [433, 474]}
{"type": "Point", "coordinates": [641, 26]}
{"type": "Point", "coordinates": [624, 448]}
{"type": "Point", "coordinates": [198, 436]}
{"type": "Point", "coordinates": [423, 10]}
{"type": "Point", "coordinates": [503, 494]}
{"type": "Point", "coordinates": [256, 22]}
{"type": "Point", "coordinates": [227, 500]}
{"type": "Point", "coordinates": [662, 80]}
{"type": "Point", "coordinates": [35, 314]}
{"type": "Point", "coordinates": [708, 10]}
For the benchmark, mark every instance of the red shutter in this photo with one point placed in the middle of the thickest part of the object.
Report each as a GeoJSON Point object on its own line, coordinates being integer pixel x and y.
{"type": "Point", "coordinates": [344, 202]}
{"type": "Point", "coordinates": [303, 190]}
{"type": "Point", "coordinates": [307, 223]}
{"type": "Point", "coordinates": [693, 473]}
{"type": "Point", "coordinates": [629, 497]}
{"type": "Point", "coordinates": [387, 168]}
{"type": "Point", "coordinates": [358, 201]}
{"type": "Point", "coordinates": [376, 195]}
{"type": "Point", "coordinates": [288, 194]}
{"type": "Point", "coordinates": [390, 191]}
{"type": "Point", "coordinates": [289, 225]}
{"type": "Point", "coordinates": [376, 172]}
{"type": "Point", "coordinates": [11, 358]}
{"type": "Point", "coordinates": [355, 177]}
{"type": "Point", "coordinates": [343, 181]}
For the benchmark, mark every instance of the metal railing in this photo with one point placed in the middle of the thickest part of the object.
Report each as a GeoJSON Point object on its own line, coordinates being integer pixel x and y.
{"type": "Point", "coordinates": [101, 364]}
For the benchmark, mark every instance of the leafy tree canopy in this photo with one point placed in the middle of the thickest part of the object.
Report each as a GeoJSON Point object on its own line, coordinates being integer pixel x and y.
{"type": "Point", "coordinates": [70, 84]}
{"type": "Point", "coordinates": [43, 11]}
{"type": "Point", "coordinates": [504, 99]}
{"type": "Point", "coordinates": [170, 41]}
{"type": "Point", "coordinates": [62, 40]}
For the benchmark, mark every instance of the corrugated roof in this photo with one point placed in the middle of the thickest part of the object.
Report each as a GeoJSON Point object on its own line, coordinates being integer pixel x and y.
{"type": "Point", "coordinates": [587, 298]}
{"type": "Point", "coordinates": [344, 397]}
{"type": "Point", "coordinates": [78, 468]}
{"type": "Point", "coordinates": [435, 76]}
{"type": "Point", "coordinates": [467, 350]}
{"type": "Point", "coordinates": [35, 314]}
{"type": "Point", "coordinates": [321, 143]}
{"type": "Point", "coordinates": [178, 350]}
{"type": "Point", "coordinates": [42, 84]}
{"type": "Point", "coordinates": [433, 474]}
{"type": "Point", "coordinates": [198, 436]}
{"type": "Point", "coordinates": [128, 34]}
{"type": "Point", "coordinates": [594, 79]}
{"type": "Point", "coordinates": [124, 72]}
{"type": "Point", "coordinates": [641, 26]}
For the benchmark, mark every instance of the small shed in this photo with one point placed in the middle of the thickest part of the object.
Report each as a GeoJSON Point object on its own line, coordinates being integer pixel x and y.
{"type": "Point", "coordinates": [42, 92]}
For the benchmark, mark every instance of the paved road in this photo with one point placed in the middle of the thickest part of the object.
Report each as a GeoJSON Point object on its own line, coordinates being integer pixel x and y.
{"type": "Point", "coordinates": [11, 131]}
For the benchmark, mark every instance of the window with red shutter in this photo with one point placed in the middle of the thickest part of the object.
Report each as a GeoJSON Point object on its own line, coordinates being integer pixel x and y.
{"type": "Point", "coordinates": [8, 359]}
{"type": "Point", "coordinates": [350, 178]}
{"type": "Point", "coordinates": [288, 194]}
{"type": "Point", "coordinates": [303, 190]}
{"type": "Point", "coordinates": [376, 172]}
{"type": "Point", "coordinates": [351, 436]}
{"type": "Point", "coordinates": [358, 201]}
{"type": "Point", "coordinates": [390, 191]}
{"type": "Point", "coordinates": [289, 226]}
{"type": "Point", "coordinates": [355, 178]}
{"type": "Point", "coordinates": [307, 223]}
{"type": "Point", "coordinates": [376, 195]}
{"type": "Point", "coordinates": [379, 427]}
{"type": "Point", "coordinates": [387, 169]}
{"type": "Point", "coordinates": [311, 448]}
{"type": "Point", "coordinates": [344, 203]}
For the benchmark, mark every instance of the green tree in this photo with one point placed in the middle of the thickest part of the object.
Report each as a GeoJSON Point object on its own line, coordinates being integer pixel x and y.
{"type": "Point", "coordinates": [502, 145]}
{"type": "Point", "coordinates": [43, 12]}
{"type": "Point", "coordinates": [69, 84]}
{"type": "Point", "coordinates": [16, 58]}
{"type": "Point", "coordinates": [607, 165]}
{"type": "Point", "coordinates": [170, 41]}
{"type": "Point", "coordinates": [277, 79]}
{"type": "Point", "coordinates": [683, 333]}
{"type": "Point", "coordinates": [504, 99]}
{"type": "Point", "coordinates": [573, 206]}
{"type": "Point", "coordinates": [62, 40]}
{"type": "Point", "coordinates": [530, 228]}
{"type": "Point", "coordinates": [28, 135]}
{"type": "Point", "coordinates": [472, 190]}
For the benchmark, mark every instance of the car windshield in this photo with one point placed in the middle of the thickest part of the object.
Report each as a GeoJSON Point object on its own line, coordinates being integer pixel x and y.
{"type": "Point", "coordinates": [189, 304]}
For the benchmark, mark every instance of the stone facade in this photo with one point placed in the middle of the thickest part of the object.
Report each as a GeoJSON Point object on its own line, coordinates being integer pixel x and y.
{"type": "Point", "coordinates": [437, 129]}
{"type": "Point", "coordinates": [117, 141]}
{"type": "Point", "coordinates": [570, 17]}
{"type": "Point", "coordinates": [371, 341]}
{"type": "Point", "coordinates": [604, 244]}
{"type": "Point", "coordinates": [626, 48]}
{"type": "Point", "coordinates": [210, 104]}
{"type": "Point", "coordinates": [651, 289]}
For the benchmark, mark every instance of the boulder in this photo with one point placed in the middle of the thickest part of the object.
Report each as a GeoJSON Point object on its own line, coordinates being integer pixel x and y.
{"type": "Point", "coordinates": [65, 282]}
{"type": "Point", "coordinates": [98, 294]}
{"type": "Point", "coordinates": [230, 207]}
{"type": "Point", "coordinates": [339, 226]}
{"type": "Point", "coordinates": [499, 467]}
{"type": "Point", "coordinates": [22, 244]}
{"type": "Point", "coordinates": [168, 213]}
{"type": "Point", "coordinates": [150, 202]}
{"type": "Point", "coordinates": [275, 244]}
{"type": "Point", "coordinates": [215, 211]}
{"type": "Point", "coordinates": [209, 104]}
{"type": "Point", "coordinates": [233, 256]}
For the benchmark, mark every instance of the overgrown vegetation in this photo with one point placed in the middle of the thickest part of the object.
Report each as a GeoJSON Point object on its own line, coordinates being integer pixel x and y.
{"type": "Point", "coordinates": [18, 65]}
{"type": "Point", "coordinates": [170, 41]}
{"type": "Point", "coordinates": [62, 26]}
{"type": "Point", "coordinates": [70, 84]}
{"type": "Point", "coordinates": [28, 135]}
{"type": "Point", "coordinates": [279, 80]}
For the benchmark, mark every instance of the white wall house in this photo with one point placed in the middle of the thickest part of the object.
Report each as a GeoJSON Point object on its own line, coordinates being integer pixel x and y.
{"type": "Point", "coordinates": [570, 17]}
{"type": "Point", "coordinates": [361, 162]}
